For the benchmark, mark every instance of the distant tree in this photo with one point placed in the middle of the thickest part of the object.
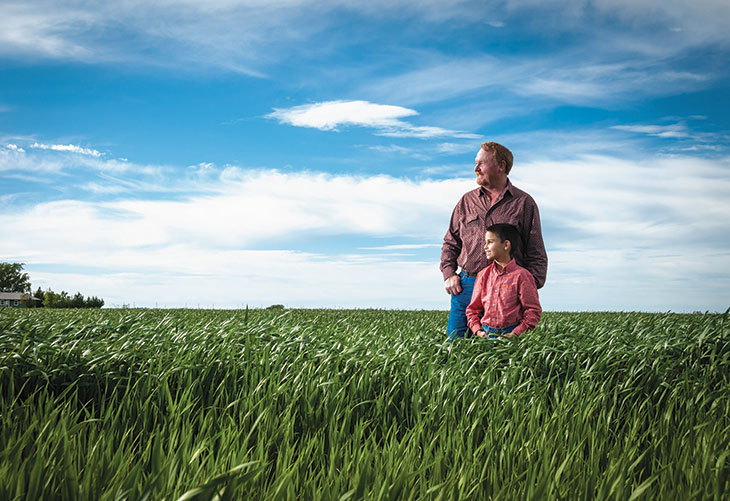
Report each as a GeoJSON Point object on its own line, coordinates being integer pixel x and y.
{"type": "Point", "coordinates": [64, 300]}
{"type": "Point", "coordinates": [275, 307]}
{"type": "Point", "coordinates": [39, 295]}
{"type": "Point", "coordinates": [94, 302]}
{"type": "Point", "coordinates": [12, 278]}
{"type": "Point", "coordinates": [78, 301]}
{"type": "Point", "coordinates": [49, 299]}
{"type": "Point", "coordinates": [57, 300]}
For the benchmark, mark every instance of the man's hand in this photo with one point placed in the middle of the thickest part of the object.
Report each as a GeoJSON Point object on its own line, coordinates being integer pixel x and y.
{"type": "Point", "coordinates": [453, 285]}
{"type": "Point", "coordinates": [481, 333]}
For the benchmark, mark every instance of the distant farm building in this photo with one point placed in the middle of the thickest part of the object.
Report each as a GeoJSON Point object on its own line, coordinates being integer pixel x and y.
{"type": "Point", "coordinates": [16, 299]}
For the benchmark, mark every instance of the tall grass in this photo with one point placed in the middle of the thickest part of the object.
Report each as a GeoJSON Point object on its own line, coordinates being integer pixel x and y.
{"type": "Point", "coordinates": [365, 404]}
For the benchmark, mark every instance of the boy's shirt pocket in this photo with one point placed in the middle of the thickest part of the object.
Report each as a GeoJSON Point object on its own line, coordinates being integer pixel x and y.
{"type": "Point", "coordinates": [508, 291]}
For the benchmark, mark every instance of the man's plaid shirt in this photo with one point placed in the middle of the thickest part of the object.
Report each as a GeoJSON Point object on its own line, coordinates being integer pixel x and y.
{"type": "Point", "coordinates": [464, 241]}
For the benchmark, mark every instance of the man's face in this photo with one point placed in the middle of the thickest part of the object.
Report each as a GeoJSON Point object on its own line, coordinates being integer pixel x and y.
{"type": "Point", "coordinates": [486, 169]}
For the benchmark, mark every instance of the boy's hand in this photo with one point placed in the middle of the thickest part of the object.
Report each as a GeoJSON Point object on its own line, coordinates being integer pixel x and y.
{"type": "Point", "coordinates": [480, 333]}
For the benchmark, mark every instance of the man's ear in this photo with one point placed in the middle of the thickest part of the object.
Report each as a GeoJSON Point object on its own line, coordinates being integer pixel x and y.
{"type": "Point", "coordinates": [508, 245]}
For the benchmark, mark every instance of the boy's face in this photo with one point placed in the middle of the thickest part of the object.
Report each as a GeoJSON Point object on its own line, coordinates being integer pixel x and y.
{"type": "Point", "coordinates": [495, 248]}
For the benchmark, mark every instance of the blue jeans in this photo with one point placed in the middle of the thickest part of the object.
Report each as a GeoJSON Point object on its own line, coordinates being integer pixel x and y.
{"type": "Point", "coordinates": [457, 327]}
{"type": "Point", "coordinates": [495, 333]}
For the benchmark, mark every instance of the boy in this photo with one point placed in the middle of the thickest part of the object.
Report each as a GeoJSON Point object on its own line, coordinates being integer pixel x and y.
{"type": "Point", "coordinates": [504, 301]}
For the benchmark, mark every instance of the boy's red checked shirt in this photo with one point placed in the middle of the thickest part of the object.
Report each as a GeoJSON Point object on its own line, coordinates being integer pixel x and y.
{"type": "Point", "coordinates": [503, 298]}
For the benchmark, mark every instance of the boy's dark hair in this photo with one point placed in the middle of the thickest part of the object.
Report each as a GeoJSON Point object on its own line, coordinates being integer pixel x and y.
{"type": "Point", "coordinates": [509, 232]}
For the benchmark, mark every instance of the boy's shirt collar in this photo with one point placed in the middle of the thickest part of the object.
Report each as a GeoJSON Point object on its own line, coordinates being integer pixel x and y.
{"type": "Point", "coordinates": [511, 266]}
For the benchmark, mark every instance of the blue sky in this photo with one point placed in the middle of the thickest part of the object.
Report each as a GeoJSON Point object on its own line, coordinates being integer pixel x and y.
{"type": "Point", "coordinates": [309, 153]}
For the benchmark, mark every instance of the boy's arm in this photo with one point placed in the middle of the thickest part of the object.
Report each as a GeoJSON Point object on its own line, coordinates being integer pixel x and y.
{"type": "Point", "coordinates": [475, 310]}
{"type": "Point", "coordinates": [530, 302]}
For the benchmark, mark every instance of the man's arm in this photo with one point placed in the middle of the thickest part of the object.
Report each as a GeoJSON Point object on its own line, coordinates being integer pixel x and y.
{"type": "Point", "coordinates": [534, 255]}
{"type": "Point", "coordinates": [450, 251]}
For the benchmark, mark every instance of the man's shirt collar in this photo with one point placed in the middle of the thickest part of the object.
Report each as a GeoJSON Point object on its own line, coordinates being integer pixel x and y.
{"type": "Point", "coordinates": [507, 189]}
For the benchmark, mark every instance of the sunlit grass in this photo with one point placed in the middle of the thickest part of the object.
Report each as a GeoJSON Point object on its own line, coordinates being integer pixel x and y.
{"type": "Point", "coordinates": [324, 404]}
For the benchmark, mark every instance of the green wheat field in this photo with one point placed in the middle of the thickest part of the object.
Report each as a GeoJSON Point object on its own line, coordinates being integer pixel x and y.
{"type": "Point", "coordinates": [360, 404]}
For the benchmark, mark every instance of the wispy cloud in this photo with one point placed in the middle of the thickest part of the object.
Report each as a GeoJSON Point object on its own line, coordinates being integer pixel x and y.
{"type": "Point", "coordinates": [23, 162]}
{"type": "Point", "coordinates": [418, 154]}
{"type": "Point", "coordinates": [385, 119]}
{"type": "Point", "coordinates": [497, 87]}
{"type": "Point", "coordinates": [401, 247]}
{"type": "Point", "coordinates": [662, 131]}
{"type": "Point", "coordinates": [240, 36]}
{"type": "Point", "coordinates": [454, 148]}
{"type": "Point", "coordinates": [15, 162]}
{"type": "Point", "coordinates": [232, 33]}
{"type": "Point", "coordinates": [67, 147]}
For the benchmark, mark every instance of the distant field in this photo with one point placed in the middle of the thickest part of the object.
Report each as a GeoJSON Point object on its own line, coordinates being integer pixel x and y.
{"type": "Point", "coordinates": [365, 404]}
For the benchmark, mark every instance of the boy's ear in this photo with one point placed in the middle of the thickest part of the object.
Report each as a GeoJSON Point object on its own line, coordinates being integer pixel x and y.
{"type": "Point", "coordinates": [508, 244]}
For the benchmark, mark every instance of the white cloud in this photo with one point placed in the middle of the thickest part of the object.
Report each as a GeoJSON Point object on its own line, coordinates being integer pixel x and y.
{"type": "Point", "coordinates": [650, 229]}
{"type": "Point", "coordinates": [386, 119]}
{"type": "Point", "coordinates": [648, 197]}
{"type": "Point", "coordinates": [171, 252]}
{"type": "Point", "coordinates": [71, 148]}
{"type": "Point", "coordinates": [617, 231]}
{"type": "Point", "coordinates": [331, 114]}
{"type": "Point", "coordinates": [267, 206]}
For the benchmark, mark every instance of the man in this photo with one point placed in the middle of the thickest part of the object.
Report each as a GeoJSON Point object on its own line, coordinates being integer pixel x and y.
{"type": "Point", "coordinates": [495, 201]}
